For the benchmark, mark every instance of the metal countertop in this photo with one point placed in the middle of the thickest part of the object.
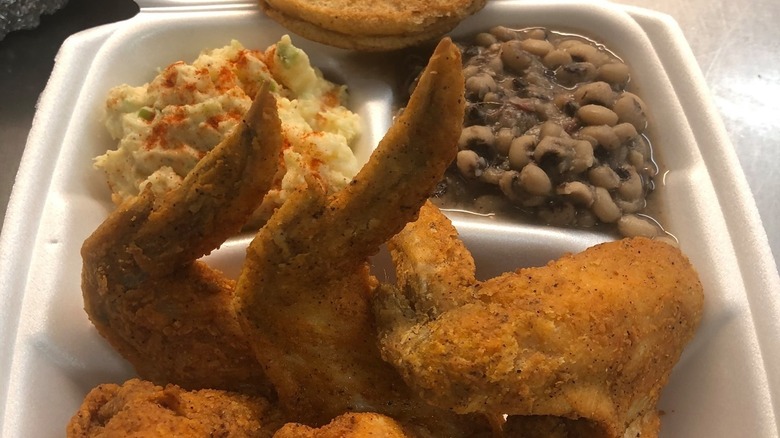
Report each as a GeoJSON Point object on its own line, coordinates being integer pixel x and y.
{"type": "Point", "coordinates": [736, 43]}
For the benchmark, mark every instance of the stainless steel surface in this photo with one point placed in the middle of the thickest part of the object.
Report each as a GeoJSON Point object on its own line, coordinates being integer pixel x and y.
{"type": "Point", "coordinates": [736, 43]}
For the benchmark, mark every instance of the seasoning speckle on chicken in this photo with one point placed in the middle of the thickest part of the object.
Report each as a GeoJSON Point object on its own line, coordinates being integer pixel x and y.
{"type": "Point", "coordinates": [589, 337]}
{"type": "Point", "coordinates": [166, 313]}
{"type": "Point", "coordinates": [298, 326]}
{"type": "Point", "coordinates": [140, 408]}
{"type": "Point", "coordinates": [350, 425]}
{"type": "Point", "coordinates": [303, 296]}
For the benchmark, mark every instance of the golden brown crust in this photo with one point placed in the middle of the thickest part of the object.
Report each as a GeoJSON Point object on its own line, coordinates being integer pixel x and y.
{"type": "Point", "coordinates": [541, 426]}
{"type": "Point", "coordinates": [350, 425]}
{"type": "Point", "coordinates": [364, 43]}
{"type": "Point", "coordinates": [592, 335]}
{"type": "Point", "coordinates": [166, 314]}
{"type": "Point", "coordinates": [303, 295]}
{"type": "Point", "coordinates": [367, 29]}
{"type": "Point", "coordinates": [377, 18]}
{"type": "Point", "coordinates": [139, 408]}
{"type": "Point", "coordinates": [437, 283]}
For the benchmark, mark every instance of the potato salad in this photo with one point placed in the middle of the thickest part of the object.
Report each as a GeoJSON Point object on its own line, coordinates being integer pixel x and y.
{"type": "Point", "coordinates": [166, 126]}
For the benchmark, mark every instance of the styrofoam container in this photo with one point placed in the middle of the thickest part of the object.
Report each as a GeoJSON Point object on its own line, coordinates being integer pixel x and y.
{"type": "Point", "coordinates": [727, 382]}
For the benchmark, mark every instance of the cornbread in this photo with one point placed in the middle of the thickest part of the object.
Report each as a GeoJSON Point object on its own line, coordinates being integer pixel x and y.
{"type": "Point", "coordinates": [370, 26]}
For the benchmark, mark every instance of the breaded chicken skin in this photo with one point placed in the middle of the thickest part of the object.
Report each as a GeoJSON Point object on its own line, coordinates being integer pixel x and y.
{"type": "Point", "coordinates": [168, 314]}
{"type": "Point", "coordinates": [303, 295]}
{"type": "Point", "coordinates": [139, 408]}
{"type": "Point", "coordinates": [349, 425]}
{"type": "Point", "coordinates": [590, 337]}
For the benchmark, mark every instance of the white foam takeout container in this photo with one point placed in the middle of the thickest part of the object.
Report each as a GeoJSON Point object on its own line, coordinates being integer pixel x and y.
{"type": "Point", "coordinates": [727, 382]}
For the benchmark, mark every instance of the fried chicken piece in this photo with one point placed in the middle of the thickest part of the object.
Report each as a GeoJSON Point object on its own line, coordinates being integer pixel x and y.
{"type": "Point", "coordinates": [139, 408]}
{"type": "Point", "coordinates": [541, 426]}
{"type": "Point", "coordinates": [591, 337]}
{"type": "Point", "coordinates": [349, 425]}
{"type": "Point", "coordinates": [167, 314]}
{"type": "Point", "coordinates": [303, 295]}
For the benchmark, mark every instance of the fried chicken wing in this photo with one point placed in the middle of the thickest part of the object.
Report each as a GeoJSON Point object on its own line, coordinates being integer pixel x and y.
{"type": "Point", "coordinates": [139, 408]}
{"type": "Point", "coordinates": [590, 338]}
{"type": "Point", "coordinates": [303, 295]}
{"type": "Point", "coordinates": [167, 314]}
{"type": "Point", "coordinates": [349, 425]}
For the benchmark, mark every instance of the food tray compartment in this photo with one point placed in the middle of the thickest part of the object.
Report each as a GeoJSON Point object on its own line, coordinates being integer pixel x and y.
{"type": "Point", "coordinates": [726, 378]}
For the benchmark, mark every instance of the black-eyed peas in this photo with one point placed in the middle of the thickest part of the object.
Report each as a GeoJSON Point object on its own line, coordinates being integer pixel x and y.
{"type": "Point", "coordinates": [596, 115]}
{"type": "Point", "coordinates": [551, 132]}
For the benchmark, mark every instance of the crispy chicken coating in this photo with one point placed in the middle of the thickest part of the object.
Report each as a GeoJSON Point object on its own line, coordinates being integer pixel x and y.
{"type": "Point", "coordinates": [590, 337]}
{"type": "Point", "coordinates": [303, 296]}
{"type": "Point", "coordinates": [349, 425]}
{"type": "Point", "coordinates": [139, 408]}
{"type": "Point", "coordinates": [298, 323]}
{"type": "Point", "coordinates": [167, 314]}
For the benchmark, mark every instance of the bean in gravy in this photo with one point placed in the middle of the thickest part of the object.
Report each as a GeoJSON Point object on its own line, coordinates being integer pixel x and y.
{"type": "Point", "coordinates": [551, 133]}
